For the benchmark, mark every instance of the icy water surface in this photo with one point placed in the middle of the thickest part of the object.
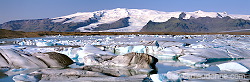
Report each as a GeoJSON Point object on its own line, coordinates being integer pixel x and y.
{"type": "Point", "coordinates": [196, 56]}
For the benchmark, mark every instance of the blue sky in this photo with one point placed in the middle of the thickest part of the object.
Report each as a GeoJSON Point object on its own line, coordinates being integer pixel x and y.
{"type": "Point", "coordinates": [36, 9]}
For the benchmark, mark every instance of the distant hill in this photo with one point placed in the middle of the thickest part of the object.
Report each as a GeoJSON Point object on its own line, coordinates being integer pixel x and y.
{"type": "Point", "coordinates": [201, 24]}
{"type": "Point", "coordinates": [35, 25]}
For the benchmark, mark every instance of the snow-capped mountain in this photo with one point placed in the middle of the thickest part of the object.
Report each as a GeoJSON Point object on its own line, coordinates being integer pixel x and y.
{"type": "Point", "coordinates": [138, 17]}
{"type": "Point", "coordinates": [115, 20]}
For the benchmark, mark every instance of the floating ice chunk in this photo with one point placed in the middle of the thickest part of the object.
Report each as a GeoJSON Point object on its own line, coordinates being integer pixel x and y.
{"type": "Point", "coordinates": [18, 59]}
{"type": "Point", "coordinates": [169, 52]}
{"type": "Point", "coordinates": [150, 43]}
{"type": "Point", "coordinates": [16, 70]}
{"type": "Point", "coordinates": [191, 59]}
{"type": "Point", "coordinates": [89, 60]}
{"type": "Point", "coordinates": [207, 53]}
{"type": "Point", "coordinates": [109, 38]}
{"type": "Point", "coordinates": [202, 45]}
{"type": "Point", "coordinates": [168, 77]}
{"type": "Point", "coordinates": [24, 78]}
{"type": "Point", "coordinates": [71, 52]}
{"type": "Point", "coordinates": [123, 50]}
{"type": "Point", "coordinates": [235, 52]}
{"type": "Point", "coordinates": [222, 52]}
{"type": "Point", "coordinates": [87, 51]}
{"type": "Point", "coordinates": [12, 72]}
{"type": "Point", "coordinates": [21, 43]}
{"type": "Point", "coordinates": [90, 49]}
{"type": "Point", "coordinates": [139, 49]}
{"type": "Point", "coordinates": [169, 43]}
{"type": "Point", "coordinates": [36, 49]}
{"type": "Point", "coordinates": [44, 43]}
{"type": "Point", "coordinates": [2, 42]}
{"type": "Point", "coordinates": [159, 78]}
{"type": "Point", "coordinates": [152, 49]}
{"type": "Point", "coordinates": [172, 75]}
{"type": "Point", "coordinates": [236, 66]}
{"type": "Point", "coordinates": [162, 55]}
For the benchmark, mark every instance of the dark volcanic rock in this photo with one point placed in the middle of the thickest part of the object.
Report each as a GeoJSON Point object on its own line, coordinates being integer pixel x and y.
{"type": "Point", "coordinates": [202, 24]}
{"type": "Point", "coordinates": [123, 22]}
{"type": "Point", "coordinates": [45, 25]}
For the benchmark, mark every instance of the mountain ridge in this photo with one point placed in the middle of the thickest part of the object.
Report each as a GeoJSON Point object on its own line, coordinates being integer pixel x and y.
{"type": "Point", "coordinates": [202, 24]}
{"type": "Point", "coordinates": [108, 20]}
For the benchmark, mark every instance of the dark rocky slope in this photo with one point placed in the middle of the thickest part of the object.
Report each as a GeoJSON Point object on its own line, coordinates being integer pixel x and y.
{"type": "Point", "coordinates": [35, 25]}
{"type": "Point", "coordinates": [202, 24]}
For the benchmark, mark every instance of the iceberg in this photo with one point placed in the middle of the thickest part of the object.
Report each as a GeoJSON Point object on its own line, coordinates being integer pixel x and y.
{"type": "Point", "coordinates": [90, 50]}
{"type": "Point", "coordinates": [44, 43]}
{"type": "Point", "coordinates": [123, 50]}
{"type": "Point", "coordinates": [170, 43]}
{"type": "Point", "coordinates": [87, 53]}
{"type": "Point", "coordinates": [71, 52]}
{"type": "Point", "coordinates": [191, 59]}
{"type": "Point", "coordinates": [139, 49]}
{"type": "Point", "coordinates": [25, 78]}
{"type": "Point", "coordinates": [236, 66]}
{"type": "Point", "coordinates": [17, 59]}
{"type": "Point", "coordinates": [159, 78]}
{"type": "Point", "coordinates": [168, 52]}
{"type": "Point", "coordinates": [130, 60]}
{"type": "Point", "coordinates": [136, 49]}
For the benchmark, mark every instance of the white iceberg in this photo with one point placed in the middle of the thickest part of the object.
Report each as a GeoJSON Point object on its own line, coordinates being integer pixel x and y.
{"type": "Point", "coordinates": [85, 54]}
{"type": "Point", "coordinates": [137, 49]}
{"type": "Point", "coordinates": [236, 66]}
{"type": "Point", "coordinates": [123, 50]}
{"type": "Point", "coordinates": [168, 52]}
{"type": "Point", "coordinates": [158, 78]}
{"type": "Point", "coordinates": [44, 43]}
{"type": "Point", "coordinates": [90, 49]}
{"type": "Point", "coordinates": [17, 59]}
{"type": "Point", "coordinates": [191, 59]}
{"type": "Point", "coordinates": [25, 78]}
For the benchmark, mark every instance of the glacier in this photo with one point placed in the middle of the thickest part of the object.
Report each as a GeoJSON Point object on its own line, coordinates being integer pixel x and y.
{"type": "Point", "coordinates": [138, 17]}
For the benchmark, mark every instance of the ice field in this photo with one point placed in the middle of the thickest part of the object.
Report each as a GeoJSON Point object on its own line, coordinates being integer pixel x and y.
{"type": "Point", "coordinates": [180, 58]}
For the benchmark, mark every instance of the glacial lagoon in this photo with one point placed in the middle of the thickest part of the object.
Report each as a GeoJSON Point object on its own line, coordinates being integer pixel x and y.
{"type": "Point", "coordinates": [180, 57]}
